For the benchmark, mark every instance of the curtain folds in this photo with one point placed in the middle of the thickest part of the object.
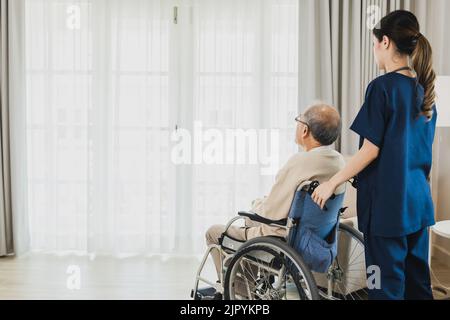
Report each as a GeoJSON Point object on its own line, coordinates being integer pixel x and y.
{"type": "Point", "coordinates": [6, 228]}
{"type": "Point", "coordinates": [14, 233]}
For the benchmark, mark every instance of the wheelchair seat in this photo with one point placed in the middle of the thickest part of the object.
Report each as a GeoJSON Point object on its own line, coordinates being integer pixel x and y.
{"type": "Point", "coordinates": [231, 245]}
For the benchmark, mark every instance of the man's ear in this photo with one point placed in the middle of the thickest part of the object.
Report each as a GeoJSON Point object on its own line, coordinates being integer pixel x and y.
{"type": "Point", "coordinates": [305, 132]}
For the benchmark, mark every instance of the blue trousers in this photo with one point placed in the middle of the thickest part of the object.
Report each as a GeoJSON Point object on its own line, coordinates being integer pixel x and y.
{"type": "Point", "coordinates": [403, 263]}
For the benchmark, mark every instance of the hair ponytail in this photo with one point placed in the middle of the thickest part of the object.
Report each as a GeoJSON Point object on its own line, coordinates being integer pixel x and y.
{"type": "Point", "coordinates": [422, 60]}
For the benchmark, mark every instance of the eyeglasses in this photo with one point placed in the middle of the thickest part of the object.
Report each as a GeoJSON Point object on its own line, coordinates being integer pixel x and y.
{"type": "Point", "coordinates": [299, 120]}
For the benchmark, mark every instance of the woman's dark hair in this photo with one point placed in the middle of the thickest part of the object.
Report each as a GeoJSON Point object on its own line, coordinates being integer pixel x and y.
{"type": "Point", "coordinates": [403, 29]}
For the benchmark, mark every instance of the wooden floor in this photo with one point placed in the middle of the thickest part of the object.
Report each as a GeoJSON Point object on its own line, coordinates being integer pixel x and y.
{"type": "Point", "coordinates": [440, 277]}
{"type": "Point", "coordinates": [45, 277]}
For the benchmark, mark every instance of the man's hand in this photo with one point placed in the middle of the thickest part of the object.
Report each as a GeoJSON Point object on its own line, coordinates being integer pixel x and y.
{"type": "Point", "coordinates": [323, 192]}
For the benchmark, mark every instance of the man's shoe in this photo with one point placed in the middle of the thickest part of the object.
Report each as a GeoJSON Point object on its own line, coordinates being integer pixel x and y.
{"type": "Point", "coordinates": [208, 294]}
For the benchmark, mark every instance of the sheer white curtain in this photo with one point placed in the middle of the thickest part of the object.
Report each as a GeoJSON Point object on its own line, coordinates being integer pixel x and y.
{"type": "Point", "coordinates": [245, 77]}
{"type": "Point", "coordinates": [108, 81]}
{"type": "Point", "coordinates": [100, 175]}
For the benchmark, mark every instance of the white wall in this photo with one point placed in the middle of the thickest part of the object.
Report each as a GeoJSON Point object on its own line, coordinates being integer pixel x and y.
{"type": "Point", "coordinates": [441, 187]}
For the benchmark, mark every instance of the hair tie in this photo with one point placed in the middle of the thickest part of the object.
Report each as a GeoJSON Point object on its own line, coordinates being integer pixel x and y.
{"type": "Point", "coordinates": [416, 39]}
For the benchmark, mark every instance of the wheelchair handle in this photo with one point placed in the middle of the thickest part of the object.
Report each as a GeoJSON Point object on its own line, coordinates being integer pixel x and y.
{"type": "Point", "coordinates": [354, 182]}
{"type": "Point", "coordinates": [313, 186]}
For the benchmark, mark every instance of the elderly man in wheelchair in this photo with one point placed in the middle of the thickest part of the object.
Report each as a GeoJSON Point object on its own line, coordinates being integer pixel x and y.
{"type": "Point", "coordinates": [287, 247]}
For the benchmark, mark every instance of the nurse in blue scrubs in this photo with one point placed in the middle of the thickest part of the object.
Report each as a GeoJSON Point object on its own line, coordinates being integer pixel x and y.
{"type": "Point", "coordinates": [397, 126]}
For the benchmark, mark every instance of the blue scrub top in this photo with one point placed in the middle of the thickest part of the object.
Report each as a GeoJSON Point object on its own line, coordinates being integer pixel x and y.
{"type": "Point", "coordinates": [394, 195]}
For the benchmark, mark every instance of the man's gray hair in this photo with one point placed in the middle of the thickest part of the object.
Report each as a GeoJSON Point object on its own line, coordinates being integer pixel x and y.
{"type": "Point", "coordinates": [324, 123]}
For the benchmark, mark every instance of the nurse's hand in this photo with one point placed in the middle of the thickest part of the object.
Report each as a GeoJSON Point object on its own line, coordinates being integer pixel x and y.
{"type": "Point", "coordinates": [323, 192]}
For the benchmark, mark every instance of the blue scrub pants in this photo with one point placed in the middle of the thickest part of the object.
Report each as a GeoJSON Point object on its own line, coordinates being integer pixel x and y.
{"type": "Point", "coordinates": [403, 262]}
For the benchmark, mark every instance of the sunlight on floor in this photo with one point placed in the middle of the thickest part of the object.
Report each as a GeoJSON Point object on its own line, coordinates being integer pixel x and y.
{"type": "Point", "coordinates": [45, 277]}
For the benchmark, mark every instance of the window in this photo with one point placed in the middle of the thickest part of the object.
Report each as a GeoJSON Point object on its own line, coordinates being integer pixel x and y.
{"type": "Point", "coordinates": [107, 84]}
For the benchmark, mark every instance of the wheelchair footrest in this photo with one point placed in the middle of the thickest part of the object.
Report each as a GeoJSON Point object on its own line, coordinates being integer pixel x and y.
{"type": "Point", "coordinates": [208, 293]}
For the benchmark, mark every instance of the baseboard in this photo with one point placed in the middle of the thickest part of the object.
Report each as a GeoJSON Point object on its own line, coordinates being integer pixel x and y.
{"type": "Point", "coordinates": [442, 255]}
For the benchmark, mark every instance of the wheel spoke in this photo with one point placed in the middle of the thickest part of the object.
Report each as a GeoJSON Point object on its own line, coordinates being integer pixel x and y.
{"type": "Point", "coordinates": [277, 279]}
{"type": "Point", "coordinates": [354, 276]}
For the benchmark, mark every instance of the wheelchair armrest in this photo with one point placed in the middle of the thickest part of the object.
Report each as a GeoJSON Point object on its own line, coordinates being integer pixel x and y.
{"type": "Point", "coordinates": [254, 217]}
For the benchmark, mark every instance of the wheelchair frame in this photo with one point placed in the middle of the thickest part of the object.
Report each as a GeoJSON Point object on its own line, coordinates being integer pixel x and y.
{"type": "Point", "coordinates": [225, 257]}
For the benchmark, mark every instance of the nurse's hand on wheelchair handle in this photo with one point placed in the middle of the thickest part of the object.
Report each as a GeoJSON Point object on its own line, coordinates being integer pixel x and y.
{"type": "Point", "coordinates": [323, 193]}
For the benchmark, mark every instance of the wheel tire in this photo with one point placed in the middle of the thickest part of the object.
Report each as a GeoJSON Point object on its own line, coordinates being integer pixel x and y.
{"type": "Point", "coordinates": [355, 233]}
{"type": "Point", "coordinates": [266, 243]}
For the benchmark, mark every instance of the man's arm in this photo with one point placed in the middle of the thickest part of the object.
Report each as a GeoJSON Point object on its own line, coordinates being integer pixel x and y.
{"type": "Point", "coordinates": [277, 204]}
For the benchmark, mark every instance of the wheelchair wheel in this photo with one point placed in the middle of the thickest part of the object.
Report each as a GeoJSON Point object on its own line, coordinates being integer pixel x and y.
{"type": "Point", "coordinates": [268, 269]}
{"type": "Point", "coordinates": [346, 278]}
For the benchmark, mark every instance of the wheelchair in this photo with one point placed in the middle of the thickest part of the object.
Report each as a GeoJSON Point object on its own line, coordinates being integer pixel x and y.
{"type": "Point", "coordinates": [273, 268]}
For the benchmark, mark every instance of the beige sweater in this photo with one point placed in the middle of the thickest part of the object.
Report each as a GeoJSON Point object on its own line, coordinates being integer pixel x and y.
{"type": "Point", "coordinates": [319, 164]}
